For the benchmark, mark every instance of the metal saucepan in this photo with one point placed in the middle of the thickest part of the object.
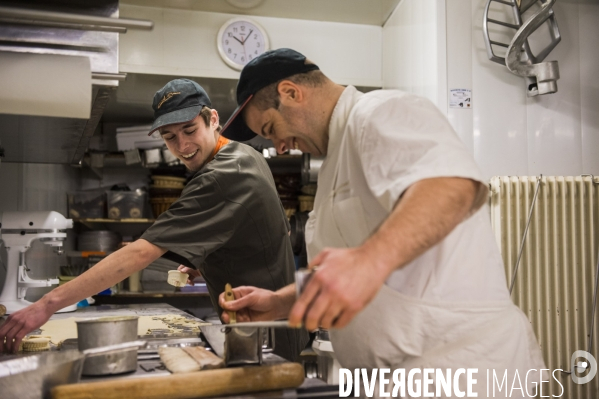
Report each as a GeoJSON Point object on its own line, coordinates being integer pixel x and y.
{"type": "Point", "coordinates": [34, 376]}
{"type": "Point", "coordinates": [104, 331]}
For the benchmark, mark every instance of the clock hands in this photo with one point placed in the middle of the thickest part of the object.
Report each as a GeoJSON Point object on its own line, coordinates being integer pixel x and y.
{"type": "Point", "coordinates": [242, 42]}
{"type": "Point", "coordinates": [249, 34]}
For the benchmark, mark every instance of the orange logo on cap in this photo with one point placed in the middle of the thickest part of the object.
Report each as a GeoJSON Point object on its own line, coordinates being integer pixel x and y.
{"type": "Point", "coordinates": [167, 97]}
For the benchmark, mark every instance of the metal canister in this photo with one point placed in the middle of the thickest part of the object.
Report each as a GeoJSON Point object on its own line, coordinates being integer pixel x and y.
{"type": "Point", "coordinates": [104, 331]}
{"type": "Point", "coordinates": [243, 346]}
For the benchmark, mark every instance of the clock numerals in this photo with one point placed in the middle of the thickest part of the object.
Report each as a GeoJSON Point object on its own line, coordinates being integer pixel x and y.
{"type": "Point", "coordinates": [243, 39]}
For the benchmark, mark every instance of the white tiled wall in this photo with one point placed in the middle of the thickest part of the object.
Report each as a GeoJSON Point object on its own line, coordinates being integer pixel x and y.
{"type": "Point", "coordinates": [414, 50]}
{"type": "Point", "coordinates": [36, 187]}
{"type": "Point", "coordinates": [508, 133]}
{"type": "Point", "coordinates": [588, 24]}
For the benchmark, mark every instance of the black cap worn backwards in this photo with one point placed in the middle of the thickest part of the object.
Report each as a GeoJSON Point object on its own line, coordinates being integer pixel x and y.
{"type": "Point", "coordinates": [179, 101]}
{"type": "Point", "coordinates": [266, 69]}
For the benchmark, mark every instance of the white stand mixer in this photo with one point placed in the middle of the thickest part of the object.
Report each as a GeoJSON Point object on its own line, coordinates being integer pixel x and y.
{"type": "Point", "coordinates": [18, 230]}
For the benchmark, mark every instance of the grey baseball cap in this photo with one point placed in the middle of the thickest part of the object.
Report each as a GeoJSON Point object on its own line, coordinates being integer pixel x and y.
{"type": "Point", "coordinates": [179, 101]}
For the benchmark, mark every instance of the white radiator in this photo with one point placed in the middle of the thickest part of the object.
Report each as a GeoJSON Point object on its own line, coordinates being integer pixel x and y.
{"type": "Point", "coordinates": [555, 281]}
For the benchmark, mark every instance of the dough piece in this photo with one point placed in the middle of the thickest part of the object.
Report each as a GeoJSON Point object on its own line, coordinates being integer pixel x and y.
{"type": "Point", "coordinates": [206, 359]}
{"type": "Point", "coordinates": [177, 361]}
{"type": "Point", "coordinates": [36, 344]}
{"type": "Point", "coordinates": [59, 330]}
{"type": "Point", "coordinates": [62, 329]}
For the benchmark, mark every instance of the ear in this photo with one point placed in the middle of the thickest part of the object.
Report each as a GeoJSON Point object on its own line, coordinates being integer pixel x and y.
{"type": "Point", "coordinates": [214, 119]}
{"type": "Point", "coordinates": [290, 93]}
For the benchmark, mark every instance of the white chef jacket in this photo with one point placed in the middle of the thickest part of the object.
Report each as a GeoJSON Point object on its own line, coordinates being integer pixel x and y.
{"type": "Point", "coordinates": [394, 140]}
{"type": "Point", "coordinates": [450, 307]}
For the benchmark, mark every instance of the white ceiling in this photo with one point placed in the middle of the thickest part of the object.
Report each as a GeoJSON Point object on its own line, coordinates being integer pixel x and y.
{"type": "Point", "coordinates": [367, 12]}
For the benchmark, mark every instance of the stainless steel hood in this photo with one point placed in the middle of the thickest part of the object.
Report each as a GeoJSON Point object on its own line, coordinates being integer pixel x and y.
{"type": "Point", "coordinates": [64, 27]}
{"type": "Point", "coordinates": [39, 139]}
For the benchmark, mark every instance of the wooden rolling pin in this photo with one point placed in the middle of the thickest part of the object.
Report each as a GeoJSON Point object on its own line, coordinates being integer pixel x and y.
{"type": "Point", "coordinates": [207, 383]}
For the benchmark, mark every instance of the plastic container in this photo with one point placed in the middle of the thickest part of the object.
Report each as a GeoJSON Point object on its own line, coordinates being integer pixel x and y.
{"type": "Point", "coordinates": [87, 204]}
{"type": "Point", "coordinates": [126, 204]}
{"type": "Point", "coordinates": [177, 278]}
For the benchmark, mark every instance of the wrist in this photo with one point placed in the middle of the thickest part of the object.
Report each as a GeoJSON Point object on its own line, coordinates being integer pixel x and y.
{"type": "Point", "coordinates": [379, 256]}
{"type": "Point", "coordinates": [284, 302]}
{"type": "Point", "coordinates": [49, 304]}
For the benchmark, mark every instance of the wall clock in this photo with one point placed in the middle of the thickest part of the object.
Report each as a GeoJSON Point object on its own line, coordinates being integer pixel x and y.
{"type": "Point", "coordinates": [240, 40]}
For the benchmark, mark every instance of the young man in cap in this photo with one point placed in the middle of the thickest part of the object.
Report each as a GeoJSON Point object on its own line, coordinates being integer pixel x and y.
{"type": "Point", "coordinates": [228, 223]}
{"type": "Point", "coordinates": [409, 274]}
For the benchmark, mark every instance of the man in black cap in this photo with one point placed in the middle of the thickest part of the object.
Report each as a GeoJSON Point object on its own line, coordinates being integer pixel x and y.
{"type": "Point", "coordinates": [408, 271]}
{"type": "Point", "coordinates": [229, 222]}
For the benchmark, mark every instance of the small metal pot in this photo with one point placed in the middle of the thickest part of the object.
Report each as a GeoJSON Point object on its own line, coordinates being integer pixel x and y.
{"type": "Point", "coordinates": [33, 377]}
{"type": "Point", "coordinates": [104, 331]}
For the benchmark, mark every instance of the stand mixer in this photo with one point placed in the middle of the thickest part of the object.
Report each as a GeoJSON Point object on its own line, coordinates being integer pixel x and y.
{"type": "Point", "coordinates": [18, 230]}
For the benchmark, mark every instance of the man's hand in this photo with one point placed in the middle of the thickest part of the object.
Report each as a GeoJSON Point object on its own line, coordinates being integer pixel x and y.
{"type": "Point", "coordinates": [193, 273]}
{"type": "Point", "coordinates": [345, 282]}
{"type": "Point", "coordinates": [20, 323]}
{"type": "Point", "coordinates": [257, 304]}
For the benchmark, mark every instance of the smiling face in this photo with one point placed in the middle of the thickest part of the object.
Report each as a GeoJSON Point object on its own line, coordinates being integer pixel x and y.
{"type": "Point", "coordinates": [192, 142]}
{"type": "Point", "coordinates": [293, 125]}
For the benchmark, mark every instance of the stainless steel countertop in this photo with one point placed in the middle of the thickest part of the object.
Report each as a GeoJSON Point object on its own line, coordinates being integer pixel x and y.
{"type": "Point", "coordinates": [311, 388]}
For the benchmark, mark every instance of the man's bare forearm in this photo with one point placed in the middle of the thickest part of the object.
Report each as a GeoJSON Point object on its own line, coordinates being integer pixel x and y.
{"type": "Point", "coordinates": [108, 272]}
{"type": "Point", "coordinates": [427, 212]}
{"type": "Point", "coordinates": [286, 299]}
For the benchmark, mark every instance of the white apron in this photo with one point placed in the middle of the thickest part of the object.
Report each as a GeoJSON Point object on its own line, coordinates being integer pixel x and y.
{"type": "Point", "coordinates": [398, 331]}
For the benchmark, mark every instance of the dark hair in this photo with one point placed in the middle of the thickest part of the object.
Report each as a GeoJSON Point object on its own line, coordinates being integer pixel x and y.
{"type": "Point", "coordinates": [268, 97]}
{"type": "Point", "coordinates": [206, 114]}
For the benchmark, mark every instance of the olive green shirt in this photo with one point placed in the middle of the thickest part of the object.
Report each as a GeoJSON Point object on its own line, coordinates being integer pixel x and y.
{"type": "Point", "coordinates": [230, 224]}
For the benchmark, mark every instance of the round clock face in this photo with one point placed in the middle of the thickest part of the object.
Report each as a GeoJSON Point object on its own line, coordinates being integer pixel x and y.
{"type": "Point", "coordinates": [239, 41]}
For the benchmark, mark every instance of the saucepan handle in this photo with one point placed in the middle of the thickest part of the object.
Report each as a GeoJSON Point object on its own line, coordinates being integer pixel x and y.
{"type": "Point", "coordinates": [114, 348]}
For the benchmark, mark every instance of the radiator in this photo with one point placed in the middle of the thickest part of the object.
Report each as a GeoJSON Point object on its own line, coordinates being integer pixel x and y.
{"type": "Point", "coordinates": [555, 281]}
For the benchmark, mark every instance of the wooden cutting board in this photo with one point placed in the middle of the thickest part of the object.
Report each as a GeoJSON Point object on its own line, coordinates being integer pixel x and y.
{"type": "Point", "coordinates": [207, 383]}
